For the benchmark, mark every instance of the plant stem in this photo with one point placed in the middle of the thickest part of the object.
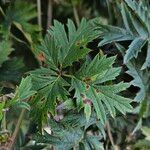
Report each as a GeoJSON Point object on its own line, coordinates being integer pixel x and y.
{"type": "Point", "coordinates": [15, 133]}
{"type": "Point", "coordinates": [75, 13]}
{"type": "Point", "coordinates": [4, 126]}
{"type": "Point", "coordinates": [4, 121]}
{"type": "Point", "coordinates": [110, 135]}
{"type": "Point", "coordinates": [39, 13]}
{"type": "Point", "coordinates": [49, 13]}
{"type": "Point", "coordinates": [110, 11]}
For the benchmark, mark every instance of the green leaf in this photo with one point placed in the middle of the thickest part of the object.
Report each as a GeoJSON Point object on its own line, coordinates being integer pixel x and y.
{"type": "Point", "coordinates": [79, 120]}
{"type": "Point", "coordinates": [72, 46]}
{"type": "Point", "coordinates": [140, 77]}
{"type": "Point", "coordinates": [1, 11]}
{"type": "Point", "coordinates": [2, 105]}
{"type": "Point", "coordinates": [146, 132]}
{"type": "Point", "coordinates": [140, 10]}
{"type": "Point", "coordinates": [50, 86]}
{"type": "Point", "coordinates": [99, 107]}
{"type": "Point", "coordinates": [62, 138]}
{"type": "Point", "coordinates": [142, 144]}
{"type": "Point", "coordinates": [109, 74]}
{"type": "Point", "coordinates": [5, 50]}
{"type": "Point", "coordinates": [147, 61]}
{"type": "Point", "coordinates": [69, 133]}
{"type": "Point", "coordinates": [50, 51]}
{"type": "Point", "coordinates": [87, 111]}
{"type": "Point", "coordinates": [12, 70]}
{"type": "Point", "coordinates": [94, 142]}
{"type": "Point", "coordinates": [24, 90]}
{"type": "Point", "coordinates": [68, 105]}
{"type": "Point", "coordinates": [140, 80]}
{"type": "Point", "coordinates": [89, 88]}
{"type": "Point", "coordinates": [101, 128]}
{"type": "Point", "coordinates": [113, 34]}
{"type": "Point", "coordinates": [134, 49]}
{"type": "Point", "coordinates": [137, 127]}
{"type": "Point", "coordinates": [27, 35]}
{"type": "Point", "coordinates": [115, 88]}
{"type": "Point", "coordinates": [23, 105]}
{"type": "Point", "coordinates": [127, 19]}
{"type": "Point", "coordinates": [95, 68]}
{"type": "Point", "coordinates": [136, 21]}
{"type": "Point", "coordinates": [19, 14]}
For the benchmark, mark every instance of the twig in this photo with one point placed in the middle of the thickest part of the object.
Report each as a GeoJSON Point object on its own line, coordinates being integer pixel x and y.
{"type": "Point", "coordinates": [4, 126]}
{"type": "Point", "coordinates": [49, 13]}
{"type": "Point", "coordinates": [110, 136]}
{"type": "Point", "coordinates": [15, 133]}
{"type": "Point", "coordinates": [39, 13]}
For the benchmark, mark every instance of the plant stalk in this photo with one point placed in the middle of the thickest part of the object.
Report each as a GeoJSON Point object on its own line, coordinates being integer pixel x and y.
{"type": "Point", "coordinates": [4, 125]}
{"type": "Point", "coordinates": [110, 11]}
{"type": "Point", "coordinates": [39, 13]}
{"type": "Point", "coordinates": [75, 13]}
{"type": "Point", "coordinates": [110, 136]}
{"type": "Point", "coordinates": [4, 121]}
{"type": "Point", "coordinates": [49, 13]}
{"type": "Point", "coordinates": [15, 133]}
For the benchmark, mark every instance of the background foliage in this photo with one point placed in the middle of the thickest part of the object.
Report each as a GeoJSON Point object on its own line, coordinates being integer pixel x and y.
{"type": "Point", "coordinates": [74, 74]}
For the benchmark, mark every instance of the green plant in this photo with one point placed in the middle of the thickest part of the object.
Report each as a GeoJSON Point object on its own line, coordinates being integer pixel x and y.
{"type": "Point", "coordinates": [144, 144]}
{"type": "Point", "coordinates": [5, 50]}
{"type": "Point", "coordinates": [72, 91]}
{"type": "Point", "coordinates": [136, 57]}
{"type": "Point", "coordinates": [87, 81]}
{"type": "Point", "coordinates": [72, 80]}
{"type": "Point", "coordinates": [18, 100]}
{"type": "Point", "coordinates": [16, 28]}
{"type": "Point", "coordinates": [136, 22]}
{"type": "Point", "coordinates": [71, 132]}
{"type": "Point", "coordinates": [74, 94]}
{"type": "Point", "coordinates": [19, 14]}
